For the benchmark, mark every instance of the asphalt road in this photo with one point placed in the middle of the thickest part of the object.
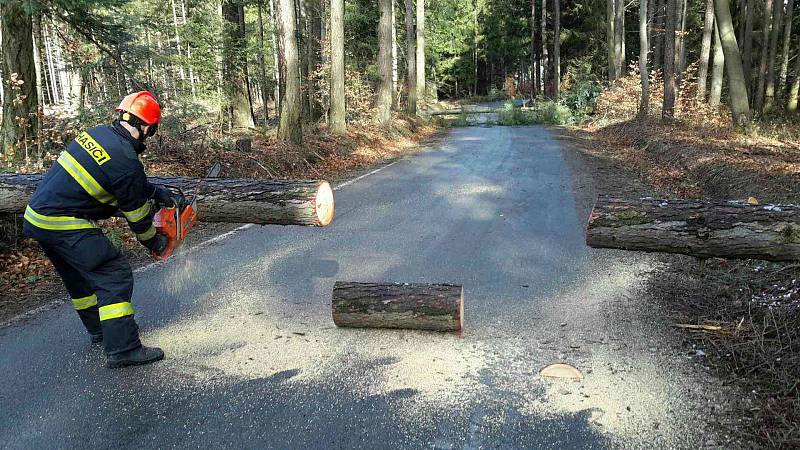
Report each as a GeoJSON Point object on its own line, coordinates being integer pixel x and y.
{"type": "Point", "coordinates": [254, 360]}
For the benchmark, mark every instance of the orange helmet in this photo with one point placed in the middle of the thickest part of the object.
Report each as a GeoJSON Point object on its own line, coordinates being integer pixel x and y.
{"type": "Point", "coordinates": [143, 105]}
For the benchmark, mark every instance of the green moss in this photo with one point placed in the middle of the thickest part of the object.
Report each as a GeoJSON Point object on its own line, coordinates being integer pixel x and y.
{"type": "Point", "coordinates": [630, 217]}
{"type": "Point", "coordinates": [791, 234]}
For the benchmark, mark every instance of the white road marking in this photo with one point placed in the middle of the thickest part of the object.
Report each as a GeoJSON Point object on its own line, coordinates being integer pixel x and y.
{"type": "Point", "coordinates": [348, 183]}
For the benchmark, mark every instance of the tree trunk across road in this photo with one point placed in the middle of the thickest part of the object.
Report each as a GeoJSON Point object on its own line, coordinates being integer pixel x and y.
{"type": "Point", "coordinates": [698, 228]}
{"type": "Point", "coordinates": [280, 202]}
{"type": "Point", "coordinates": [437, 307]}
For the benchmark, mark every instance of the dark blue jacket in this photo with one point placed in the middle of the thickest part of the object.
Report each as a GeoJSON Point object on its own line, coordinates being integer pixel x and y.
{"type": "Point", "coordinates": [97, 175]}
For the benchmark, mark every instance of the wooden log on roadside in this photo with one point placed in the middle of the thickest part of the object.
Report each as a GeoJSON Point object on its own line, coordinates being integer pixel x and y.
{"type": "Point", "coordinates": [280, 202]}
{"type": "Point", "coordinates": [438, 307]}
{"type": "Point", "coordinates": [698, 228]}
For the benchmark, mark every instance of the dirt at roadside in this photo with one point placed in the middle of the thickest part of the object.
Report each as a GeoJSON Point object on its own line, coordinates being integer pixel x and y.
{"type": "Point", "coordinates": [28, 281]}
{"type": "Point", "coordinates": [750, 309]}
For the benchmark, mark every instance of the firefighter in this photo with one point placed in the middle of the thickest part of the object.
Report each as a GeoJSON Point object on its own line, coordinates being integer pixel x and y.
{"type": "Point", "coordinates": [98, 175]}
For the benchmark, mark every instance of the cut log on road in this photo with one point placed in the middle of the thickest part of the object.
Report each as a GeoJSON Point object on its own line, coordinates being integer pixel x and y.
{"type": "Point", "coordinates": [438, 307]}
{"type": "Point", "coordinates": [698, 228]}
{"type": "Point", "coordinates": [281, 202]}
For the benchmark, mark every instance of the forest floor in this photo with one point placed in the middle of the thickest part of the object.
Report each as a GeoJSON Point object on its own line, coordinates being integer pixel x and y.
{"type": "Point", "coordinates": [28, 280]}
{"type": "Point", "coordinates": [752, 308]}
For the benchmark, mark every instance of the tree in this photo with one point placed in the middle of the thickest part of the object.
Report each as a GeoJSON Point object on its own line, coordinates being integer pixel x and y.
{"type": "Point", "coordinates": [611, 40]}
{"type": "Point", "coordinates": [338, 109]}
{"type": "Point", "coordinates": [705, 52]}
{"type": "Point", "coordinates": [290, 128]}
{"type": "Point", "coordinates": [20, 101]}
{"type": "Point", "coordinates": [777, 21]}
{"type": "Point", "coordinates": [556, 49]}
{"type": "Point", "coordinates": [644, 48]}
{"type": "Point", "coordinates": [787, 39]}
{"type": "Point", "coordinates": [534, 62]}
{"type": "Point", "coordinates": [748, 46]}
{"type": "Point", "coordinates": [791, 105]}
{"type": "Point", "coordinates": [718, 72]}
{"type": "Point", "coordinates": [240, 114]}
{"type": "Point", "coordinates": [668, 110]}
{"type": "Point", "coordinates": [384, 100]}
{"type": "Point", "coordinates": [261, 63]}
{"type": "Point", "coordinates": [619, 38]}
{"type": "Point", "coordinates": [740, 106]}
{"type": "Point", "coordinates": [762, 71]}
{"type": "Point", "coordinates": [421, 89]}
{"type": "Point", "coordinates": [411, 59]}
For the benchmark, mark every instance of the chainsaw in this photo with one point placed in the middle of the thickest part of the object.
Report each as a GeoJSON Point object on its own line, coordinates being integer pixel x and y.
{"type": "Point", "coordinates": [175, 221]}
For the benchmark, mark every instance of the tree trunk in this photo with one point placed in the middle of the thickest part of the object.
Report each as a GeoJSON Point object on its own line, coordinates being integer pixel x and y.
{"type": "Point", "coordinates": [421, 89]}
{"type": "Point", "coordinates": [436, 307]}
{"type": "Point", "coordinates": [658, 35]}
{"type": "Point", "coordinates": [411, 59]}
{"type": "Point", "coordinates": [795, 91]}
{"type": "Point", "coordinates": [705, 52]}
{"type": "Point", "coordinates": [38, 57]}
{"type": "Point", "coordinates": [261, 62]}
{"type": "Point", "coordinates": [668, 110]}
{"type": "Point", "coordinates": [290, 129]}
{"type": "Point", "coordinates": [545, 55]}
{"type": "Point", "coordinates": [787, 39]}
{"type": "Point", "coordinates": [534, 69]}
{"type": "Point", "coordinates": [777, 22]}
{"type": "Point", "coordinates": [740, 107]}
{"type": "Point", "coordinates": [697, 228]}
{"type": "Point", "coordinates": [281, 202]}
{"type": "Point", "coordinates": [384, 100]}
{"type": "Point", "coordinates": [680, 45]}
{"type": "Point", "coordinates": [277, 58]}
{"type": "Point", "coordinates": [762, 72]}
{"type": "Point", "coordinates": [644, 46]}
{"type": "Point", "coordinates": [20, 103]}
{"type": "Point", "coordinates": [338, 111]}
{"type": "Point", "coordinates": [235, 68]}
{"type": "Point", "coordinates": [619, 38]}
{"type": "Point", "coordinates": [611, 40]}
{"type": "Point", "coordinates": [747, 62]}
{"type": "Point", "coordinates": [394, 58]}
{"type": "Point", "coordinates": [313, 56]}
{"type": "Point", "coordinates": [718, 72]}
{"type": "Point", "coordinates": [557, 49]}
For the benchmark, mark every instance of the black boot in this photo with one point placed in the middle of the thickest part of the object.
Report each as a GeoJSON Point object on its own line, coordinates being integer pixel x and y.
{"type": "Point", "coordinates": [97, 337]}
{"type": "Point", "coordinates": [136, 357]}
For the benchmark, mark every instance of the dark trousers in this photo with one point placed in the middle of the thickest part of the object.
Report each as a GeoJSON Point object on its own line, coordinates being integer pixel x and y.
{"type": "Point", "coordinates": [99, 280]}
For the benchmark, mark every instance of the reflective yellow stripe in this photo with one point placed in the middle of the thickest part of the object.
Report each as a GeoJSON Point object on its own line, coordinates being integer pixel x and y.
{"type": "Point", "coordinates": [56, 222]}
{"type": "Point", "coordinates": [116, 310]}
{"type": "Point", "coordinates": [147, 235]}
{"type": "Point", "coordinates": [139, 213]}
{"type": "Point", "coordinates": [85, 302]}
{"type": "Point", "coordinates": [94, 149]}
{"type": "Point", "coordinates": [86, 180]}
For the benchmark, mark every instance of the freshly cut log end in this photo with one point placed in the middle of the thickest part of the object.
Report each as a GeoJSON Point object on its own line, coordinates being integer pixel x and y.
{"type": "Point", "coordinates": [228, 200]}
{"type": "Point", "coordinates": [697, 228]}
{"type": "Point", "coordinates": [324, 204]}
{"type": "Point", "coordinates": [437, 307]}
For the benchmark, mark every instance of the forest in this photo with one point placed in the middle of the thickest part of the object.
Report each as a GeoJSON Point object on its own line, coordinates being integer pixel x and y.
{"type": "Point", "coordinates": [242, 65]}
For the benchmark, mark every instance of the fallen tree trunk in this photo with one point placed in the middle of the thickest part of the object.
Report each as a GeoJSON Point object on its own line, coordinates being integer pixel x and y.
{"type": "Point", "coordinates": [281, 202]}
{"type": "Point", "coordinates": [698, 228]}
{"type": "Point", "coordinates": [438, 307]}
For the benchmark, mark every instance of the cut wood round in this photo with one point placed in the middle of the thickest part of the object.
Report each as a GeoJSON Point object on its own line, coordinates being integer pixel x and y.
{"type": "Point", "coordinates": [698, 228]}
{"type": "Point", "coordinates": [280, 202]}
{"type": "Point", "coordinates": [438, 307]}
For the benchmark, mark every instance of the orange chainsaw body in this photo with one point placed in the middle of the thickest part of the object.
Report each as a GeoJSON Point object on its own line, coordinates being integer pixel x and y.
{"type": "Point", "coordinates": [174, 223]}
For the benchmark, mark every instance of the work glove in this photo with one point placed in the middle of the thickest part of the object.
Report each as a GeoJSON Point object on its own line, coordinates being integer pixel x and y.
{"type": "Point", "coordinates": [166, 198]}
{"type": "Point", "coordinates": [157, 244]}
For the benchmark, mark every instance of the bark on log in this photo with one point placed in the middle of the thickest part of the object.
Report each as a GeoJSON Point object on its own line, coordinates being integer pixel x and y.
{"type": "Point", "coordinates": [438, 307]}
{"type": "Point", "coordinates": [698, 228]}
{"type": "Point", "coordinates": [280, 202]}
